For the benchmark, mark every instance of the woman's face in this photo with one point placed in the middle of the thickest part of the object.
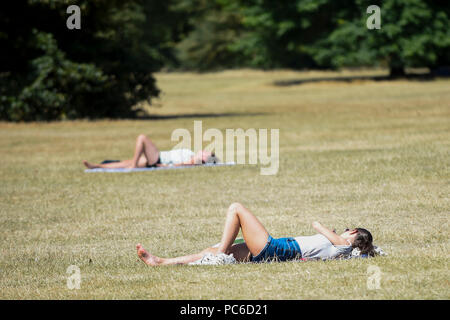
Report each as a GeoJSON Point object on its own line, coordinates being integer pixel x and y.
{"type": "Point", "coordinates": [350, 234]}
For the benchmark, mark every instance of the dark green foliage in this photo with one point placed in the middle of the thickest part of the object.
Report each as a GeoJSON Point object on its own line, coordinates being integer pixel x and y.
{"type": "Point", "coordinates": [414, 33]}
{"type": "Point", "coordinates": [103, 70]}
{"type": "Point", "coordinates": [316, 34]}
{"type": "Point", "coordinates": [58, 88]}
{"type": "Point", "coordinates": [213, 27]}
{"type": "Point", "coordinates": [278, 32]}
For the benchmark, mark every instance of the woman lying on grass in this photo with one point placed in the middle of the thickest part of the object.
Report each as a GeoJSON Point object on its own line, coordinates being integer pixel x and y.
{"type": "Point", "coordinates": [259, 246]}
{"type": "Point", "coordinates": [146, 154]}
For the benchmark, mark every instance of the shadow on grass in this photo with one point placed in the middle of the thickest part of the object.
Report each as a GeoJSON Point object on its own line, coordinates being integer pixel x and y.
{"type": "Point", "coordinates": [349, 79]}
{"type": "Point", "coordinates": [196, 116]}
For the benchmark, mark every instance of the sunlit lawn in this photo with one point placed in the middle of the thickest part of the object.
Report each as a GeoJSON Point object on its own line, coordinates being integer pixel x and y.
{"type": "Point", "coordinates": [365, 153]}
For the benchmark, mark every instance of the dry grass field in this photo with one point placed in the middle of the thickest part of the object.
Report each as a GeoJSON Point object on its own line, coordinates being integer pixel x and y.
{"type": "Point", "coordinates": [373, 154]}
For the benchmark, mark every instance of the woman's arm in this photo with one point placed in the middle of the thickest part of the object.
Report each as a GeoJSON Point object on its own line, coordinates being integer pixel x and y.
{"type": "Point", "coordinates": [190, 163]}
{"type": "Point", "coordinates": [334, 238]}
{"type": "Point", "coordinates": [193, 162]}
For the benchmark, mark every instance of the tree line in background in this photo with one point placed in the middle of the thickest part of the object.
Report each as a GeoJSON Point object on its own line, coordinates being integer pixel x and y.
{"type": "Point", "coordinates": [49, 72]}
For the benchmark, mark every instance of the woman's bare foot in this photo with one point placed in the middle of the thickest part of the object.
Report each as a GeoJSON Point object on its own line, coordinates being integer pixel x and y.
{"type": "Point", "coordinates": [90, 165]}
{"type": "Point", "coordinates": [149, 259]}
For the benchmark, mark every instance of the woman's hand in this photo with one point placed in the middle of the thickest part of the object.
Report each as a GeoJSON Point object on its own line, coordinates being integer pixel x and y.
{"type": "Point", "coordinates": [330, 235]}
{"type": "Point", "coordinates": [316, 225]}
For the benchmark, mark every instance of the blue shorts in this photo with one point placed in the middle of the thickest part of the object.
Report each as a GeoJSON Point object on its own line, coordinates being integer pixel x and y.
{"type": "Point", "coordinates": [282, 249]}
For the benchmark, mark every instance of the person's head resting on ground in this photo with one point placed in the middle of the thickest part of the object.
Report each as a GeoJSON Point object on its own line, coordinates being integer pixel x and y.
{"type": "Point", "coordinates": [205, 157]}
{"type": "Point", "coordinates": [360, 238]}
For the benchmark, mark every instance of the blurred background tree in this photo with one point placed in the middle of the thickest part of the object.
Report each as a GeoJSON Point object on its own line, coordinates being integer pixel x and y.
{"type": "Point", "coordinates": [277, 34]}
{"type": "Point", "coordinates": [321, 34]}
{"type": "Point", "coordinates": [263, 34]}
{"type": "Point", "coordinates": [105, 69]}
{"type": "Point", "coordinates": [213, 26]}
{"type": "Point", "coordinates": [414, 33]}
{"type": "Point", "coordinates": [50, 72]}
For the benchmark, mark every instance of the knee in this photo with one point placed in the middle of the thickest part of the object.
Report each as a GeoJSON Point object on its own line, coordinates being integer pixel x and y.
{"type": "Point", "coordinates": [141, 137]}
{"type": "Point", "coordinates": [235, 207]}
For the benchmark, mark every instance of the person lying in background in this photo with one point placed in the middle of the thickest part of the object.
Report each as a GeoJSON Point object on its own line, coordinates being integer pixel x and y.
{"type": "Point", "coordinates": [259, 246]}
{"type": "Point", "coordinates": [146, 154]}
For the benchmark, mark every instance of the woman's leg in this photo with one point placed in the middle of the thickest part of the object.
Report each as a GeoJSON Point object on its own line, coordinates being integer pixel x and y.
{"type": "Point", "coordinates": [145, 153]}
{"type": "Point", "coordinates": [240, 253]}
{"type": "Point", "coordinates": [255, 237]}
{"type": "Point", "coordinates": [120, 164]}
{"type": "Point", "coordinates": [152, 260]}
{"type": "Point", "coordinates": [144, 147]}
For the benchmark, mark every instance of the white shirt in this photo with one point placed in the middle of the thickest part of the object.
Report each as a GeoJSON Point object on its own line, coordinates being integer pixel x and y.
{"type": "Point", "coordinates": [318, 246]}
{"type": "Point", "coordinates": [176, 156]}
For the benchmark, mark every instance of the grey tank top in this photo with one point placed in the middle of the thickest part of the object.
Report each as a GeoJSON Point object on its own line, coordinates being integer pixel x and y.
{"type": "Point", "coordinates": [319, 247]}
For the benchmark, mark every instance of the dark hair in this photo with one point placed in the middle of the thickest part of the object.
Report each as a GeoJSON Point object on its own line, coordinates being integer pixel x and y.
{"type": "Point", "coordinates": [363, 242]}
